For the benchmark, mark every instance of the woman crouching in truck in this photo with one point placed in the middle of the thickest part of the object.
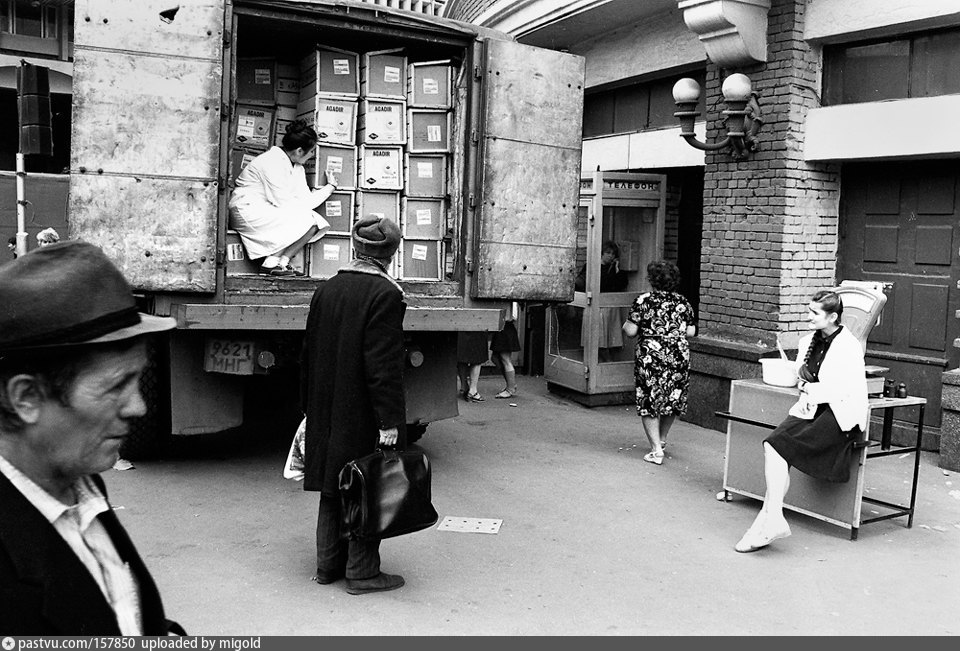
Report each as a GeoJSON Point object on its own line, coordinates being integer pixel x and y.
{"type": "Point", "coordinates": [272, 206]}
{"type": "Point", "coordinates": [818, 435]}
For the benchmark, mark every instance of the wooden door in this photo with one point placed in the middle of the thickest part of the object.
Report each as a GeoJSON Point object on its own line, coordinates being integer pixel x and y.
{"type": "Point", "coordinates": [899, 226]}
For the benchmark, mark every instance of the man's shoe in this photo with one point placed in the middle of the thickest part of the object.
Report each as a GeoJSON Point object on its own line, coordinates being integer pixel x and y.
{"type": "Point", "coordinates": [380, 583]}
{"type": "Point", "coordinates": [327, 579]}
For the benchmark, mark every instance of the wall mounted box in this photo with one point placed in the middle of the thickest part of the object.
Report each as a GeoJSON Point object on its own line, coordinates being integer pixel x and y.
{"type": "Point", "coordinates": [257, 81]}
{"type": "Point", "coordinates": [420, 260]}
{"type": "Point", "coordinates": [425, 175]}
{"type": "Point", "coordinates": [381, 168]}
{"type": "Point", "coordinates": [382, 122]}
{"type": "Point", "coordinates": [253, 126]}
{"type": "Point", "coordinates": [338, 210]}
{"type": "Point", "coordinates": [334, 119]}
{"type": "Point", "coordinates": [341, 160]}
{"type": "Point", "coordinates": [423, 218]}
{"type": "Point", "coordinates": [383, 74]}
{"type": "Point", "coordinates": [381, 204]}
{"type": "Point", "coordinates": [430, 84]}
{"type": "Point", "coordinates": [428, 130]}
{"type": "Point", "coordinates": [328, 254]}
{"type": "Point", "coordinates": [330, 72]}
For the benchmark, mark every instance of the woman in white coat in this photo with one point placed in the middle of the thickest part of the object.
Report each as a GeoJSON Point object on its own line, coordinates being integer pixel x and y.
{"type": "Point", "coordinates": [272, 208]}
{"type": "Point", "coordinates": [817, 436]}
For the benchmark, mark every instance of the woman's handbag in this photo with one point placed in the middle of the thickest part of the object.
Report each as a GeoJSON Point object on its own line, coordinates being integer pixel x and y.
{"type": "Point", "coordinates": [386, 494]}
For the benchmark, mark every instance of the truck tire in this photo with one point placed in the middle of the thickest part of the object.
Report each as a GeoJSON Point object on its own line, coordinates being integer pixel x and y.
{"type": "Point", "coordinates": [415, 432]}
{"type": "Point", "coordinates": [149, 436]}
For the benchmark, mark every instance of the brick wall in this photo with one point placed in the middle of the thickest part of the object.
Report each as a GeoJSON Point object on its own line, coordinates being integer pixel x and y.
{"type": "Point", "coordinates": [769, 222]}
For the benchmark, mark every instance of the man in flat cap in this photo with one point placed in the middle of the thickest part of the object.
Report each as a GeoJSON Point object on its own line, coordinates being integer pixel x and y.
{"type": "Point", "coordinates": [352, 389]}
{"type": "Point", "coordinates": [72, 349]}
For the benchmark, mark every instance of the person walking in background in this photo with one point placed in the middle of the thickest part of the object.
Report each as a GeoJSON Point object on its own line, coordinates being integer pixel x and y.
{"type": "Point", "coordinates": [352, 389]}
{"type": "Point", "coordinates": [661, 319]}
{"type": "Point", "coordinates": [817, 436]}
{"type": "Point", "coordinates": [272, 207]}
{"type": "Point", "coordinates": [503, 345]}
{"type": "Point", "coordinates": [47, 236]}
{"type": "Point", "coordinates": [12, 246]}
{"type": "Point", "coordinates": [72, 351]}
{"type": "Point", "coordinates": [472, 353]}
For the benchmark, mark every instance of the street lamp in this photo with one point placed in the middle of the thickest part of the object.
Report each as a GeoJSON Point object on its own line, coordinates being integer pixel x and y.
{"type": "Point", "coordinates": [742, 120]}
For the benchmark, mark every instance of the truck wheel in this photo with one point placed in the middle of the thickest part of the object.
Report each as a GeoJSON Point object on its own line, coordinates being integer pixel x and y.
{"type": "Point", "coordinates": [149, 436]}
{"type": "Point", "coordinates": [415, 432]}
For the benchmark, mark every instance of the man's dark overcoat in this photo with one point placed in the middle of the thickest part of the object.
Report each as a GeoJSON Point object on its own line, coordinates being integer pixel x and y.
{"type": "Point", "coordinates": [46, 590]}
{"type": "Point", "coordinates": [352, 367]}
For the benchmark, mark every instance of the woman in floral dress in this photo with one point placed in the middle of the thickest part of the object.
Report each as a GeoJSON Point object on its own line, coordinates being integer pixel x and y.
{"type": "Point", "coordinates": [661, 320]}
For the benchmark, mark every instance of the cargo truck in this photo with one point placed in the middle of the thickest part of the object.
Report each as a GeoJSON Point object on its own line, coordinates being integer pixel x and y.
{"type": "Point", "coordinates": [170, 99]}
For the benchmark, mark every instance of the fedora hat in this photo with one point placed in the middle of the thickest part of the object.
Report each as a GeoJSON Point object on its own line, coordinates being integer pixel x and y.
{"type": "Point", "coordinates": [68, 294]}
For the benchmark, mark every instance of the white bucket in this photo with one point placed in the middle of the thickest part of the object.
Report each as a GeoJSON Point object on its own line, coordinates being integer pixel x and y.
{"type": "Point", "coordinates": [779, 372]}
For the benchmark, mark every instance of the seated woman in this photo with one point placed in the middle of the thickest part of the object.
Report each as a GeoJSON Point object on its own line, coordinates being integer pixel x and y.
{"type": "Point", "coordinates": [817, 436]}
{"type": "Point", "coordinates": [272, 208]}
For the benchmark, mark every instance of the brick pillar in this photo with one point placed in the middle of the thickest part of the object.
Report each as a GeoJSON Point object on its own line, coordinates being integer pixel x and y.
{"type": "Point", "coordinates": [770, 221]}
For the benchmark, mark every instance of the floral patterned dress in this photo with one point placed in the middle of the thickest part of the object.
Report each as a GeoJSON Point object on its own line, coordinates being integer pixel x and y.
{"type": "Point", "coordinates": [662, 358]}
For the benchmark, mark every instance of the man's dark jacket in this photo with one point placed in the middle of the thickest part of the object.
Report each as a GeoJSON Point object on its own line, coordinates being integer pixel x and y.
{"type": "Point", "coordinates": [44, 587]}
{"type": "Point", "coordinates": [352, 367]}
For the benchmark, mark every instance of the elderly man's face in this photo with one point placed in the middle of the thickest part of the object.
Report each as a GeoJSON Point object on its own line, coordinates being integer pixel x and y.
{"type": "Point", "coordinates": [85, 437]}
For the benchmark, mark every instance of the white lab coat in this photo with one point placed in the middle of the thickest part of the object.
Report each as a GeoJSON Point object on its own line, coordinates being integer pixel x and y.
{"type": "Point", "coordinates": [272, 206]}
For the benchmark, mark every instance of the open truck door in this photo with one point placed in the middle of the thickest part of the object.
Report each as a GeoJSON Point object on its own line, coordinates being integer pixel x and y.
{"type": "Point", "coordinates": [531, 134]}
{"type": "Point", "coordinates": [145, 155]}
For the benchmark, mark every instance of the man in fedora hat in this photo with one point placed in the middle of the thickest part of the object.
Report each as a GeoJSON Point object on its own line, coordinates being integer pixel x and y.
{"type": "Point", "coordinates": [72, 349]}
{"type": "Point", "coordinates": [352, 389]}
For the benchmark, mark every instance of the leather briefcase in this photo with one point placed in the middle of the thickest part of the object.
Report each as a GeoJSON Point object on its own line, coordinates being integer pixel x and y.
{"type": "Point", "coordinates": [386, 494]}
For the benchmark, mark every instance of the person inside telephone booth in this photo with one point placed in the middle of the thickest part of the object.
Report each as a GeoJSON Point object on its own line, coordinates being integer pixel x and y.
{"type": "Point", "coordinates": [612, 279]}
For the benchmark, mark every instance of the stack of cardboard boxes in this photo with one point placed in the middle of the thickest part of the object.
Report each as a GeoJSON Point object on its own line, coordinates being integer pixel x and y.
{"type": "Point", "coordinates": [384, 128]}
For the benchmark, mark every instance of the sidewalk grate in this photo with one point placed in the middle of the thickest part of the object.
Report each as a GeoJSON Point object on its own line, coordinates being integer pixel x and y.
{"type": "Point", "coordinates": [470, 525]}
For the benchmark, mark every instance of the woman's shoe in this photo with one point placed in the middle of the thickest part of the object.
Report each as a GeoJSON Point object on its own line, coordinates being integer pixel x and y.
{"type": "Point", "coordinates": [654, 457]}
{"type": "Point", "coordinates": [506, 394]}
{"type": "Point", "coordinates": [475, 397]}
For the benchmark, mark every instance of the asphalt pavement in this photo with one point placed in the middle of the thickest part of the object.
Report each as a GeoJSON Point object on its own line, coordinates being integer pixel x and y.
{"type": "Point", "coordinates": [592, 540]}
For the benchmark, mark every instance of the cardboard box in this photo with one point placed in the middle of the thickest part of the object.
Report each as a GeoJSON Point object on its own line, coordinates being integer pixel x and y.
{"type": "Point", "coordinates": [381, 168]}
{"type": "Point", "coordinates": [420, 260]}
{"type": "Point", "coordinates": [424, 218]}
{"type": "Point", "coordinates": [253, 126]}
{"type": "Point", "coordinates": [425, 175]}
{"type": "Point", "coordinates": [383, 74]}
{"type": "Point", "coordinates": [430, 84]}
{"type": "Point", "coordinates": [239, 157]}
{"type": "Point", "coordinates": [257, 81]}
{"type": "Point", "coordinates": [428, 130]}
{"type": "Point", "coordinates": [334, 119]}
{"type": "Point", "coordinates": [382, 122]}
{"type": "Point", "coordinates": [339, 159]}
{"type": "Point", "coordinates": [338, 210]}
{"type": "Point", "coordinates": [288, 86]}
{"type": "Point", "coordinates": [381, 204]}
{"type": "Point", "coordinates": [328, 254]}
{"type": "Point", "coordinates": [330, 72]}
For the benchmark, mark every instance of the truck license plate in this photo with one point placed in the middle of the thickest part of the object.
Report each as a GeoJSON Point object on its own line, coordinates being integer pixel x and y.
{"type": "Point", "coordinates": [229, 356]}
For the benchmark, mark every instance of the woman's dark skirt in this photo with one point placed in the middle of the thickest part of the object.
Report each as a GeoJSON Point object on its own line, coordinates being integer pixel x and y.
{"type": "Point", "coordinates": [507, 340]}
{"type": "Point", "coordinates": [472, 347]}
{"type": "Point", "coordinates": [817, 447]}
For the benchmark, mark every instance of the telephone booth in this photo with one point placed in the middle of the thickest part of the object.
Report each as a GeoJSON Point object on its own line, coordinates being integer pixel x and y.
{"type": "Point", "coordinates": [587, 358]}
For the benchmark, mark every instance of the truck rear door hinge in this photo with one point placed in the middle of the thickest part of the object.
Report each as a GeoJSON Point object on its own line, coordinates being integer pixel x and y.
{"type": "Point", "coordinates": [221, 258]}
{"type": "Point", "coordinates": [474, 136]}
{"type": "Point", "coordinates": [227, 39]}
{"type": "Point", "coordinates": [224, 112]}
{"type": "Point", "coordinates": [221, 184]}
{"type": "Point", "coordinates": [472, 201]}
{"type": "Point", "coordinates": [477, 72]}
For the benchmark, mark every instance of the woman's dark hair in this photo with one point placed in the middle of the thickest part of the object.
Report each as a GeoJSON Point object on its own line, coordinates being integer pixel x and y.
{"type": "Point", "coordinates": [610, 245]}
{"type": "Point", "coordinates": [830, 302]}
{"type": "Point", "coordinates": [664, 276]}
{"type": "Point", "coordinates": [299, 134]}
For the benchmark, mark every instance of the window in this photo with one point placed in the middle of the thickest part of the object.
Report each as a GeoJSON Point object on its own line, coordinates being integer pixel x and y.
{"type": "Point", "coordinates": [26, 18]}
{"type": "Point", "coordinates": [633, 108]}
{"type": "Point", "coordinates": [924, 65]}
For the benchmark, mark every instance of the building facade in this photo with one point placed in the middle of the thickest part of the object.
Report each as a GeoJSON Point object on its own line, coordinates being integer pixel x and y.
{"type": "Point", "coordinates": [856, 176]}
